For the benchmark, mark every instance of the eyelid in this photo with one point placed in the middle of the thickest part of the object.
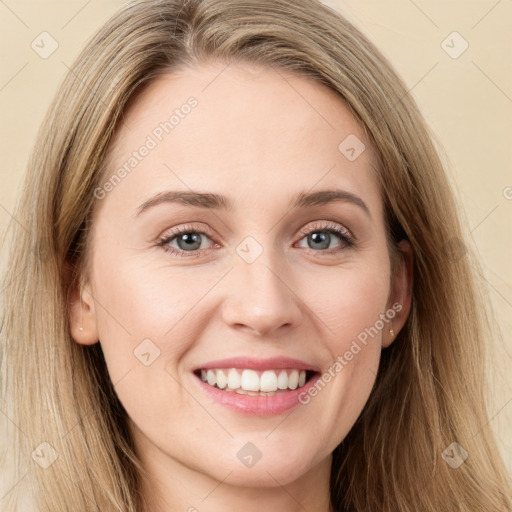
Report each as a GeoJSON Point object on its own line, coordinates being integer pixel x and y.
{"type": "Point", "coordinates": [327, 225]}
{"type": "Point", "coordinates": [185, 228]}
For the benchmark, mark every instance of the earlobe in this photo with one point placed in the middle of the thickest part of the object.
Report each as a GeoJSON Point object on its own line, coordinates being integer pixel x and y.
{"type": "Point", "coordinates": [400, 296]}
{"type": "Point", "coordinates": [82, 315]}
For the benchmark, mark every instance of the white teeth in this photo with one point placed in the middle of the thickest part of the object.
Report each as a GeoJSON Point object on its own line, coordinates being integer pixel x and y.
{"type": "Point", "coordinates": [233, 379]}
{"type": "Point", "coordinates": [282, 380]}
{"type": "Point", "coordinates": [252, 382]}
{"type": "Point", "coordinates": [222, 380]}
{"type": "Point", "coordinates": [268, 381]}
{"type": "Point", "coordinates": [211, 378]}
{"type": "Point", "coordinates": [293, 379]}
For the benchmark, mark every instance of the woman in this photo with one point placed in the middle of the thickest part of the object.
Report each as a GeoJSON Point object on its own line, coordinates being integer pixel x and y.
{"type": "Point", "coordinates": [202, 332]}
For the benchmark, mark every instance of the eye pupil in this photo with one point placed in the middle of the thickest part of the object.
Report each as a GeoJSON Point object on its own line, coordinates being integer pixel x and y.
{"type": "Point", "coordinates": [322, 238]}
{"type": "Point", "coordinates": [190, 240]}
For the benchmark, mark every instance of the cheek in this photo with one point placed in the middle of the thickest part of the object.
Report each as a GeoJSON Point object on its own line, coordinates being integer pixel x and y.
{"type": "Point", "coordinates": [146, 323]}
{"type": "Point", "coordinates": [147, 315]}
{"type": "Point", "coordinates": [351, 305]}
{"type": "Point", "coordinates": [136, 298]}
{"type": "Point", "coordinates": [350, 301]}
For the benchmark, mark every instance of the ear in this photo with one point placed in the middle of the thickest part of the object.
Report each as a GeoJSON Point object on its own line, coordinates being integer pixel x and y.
{"type": "Point", "coordinates": [82, 314]}
{"type": "Point", "coordinates": [400, 295]}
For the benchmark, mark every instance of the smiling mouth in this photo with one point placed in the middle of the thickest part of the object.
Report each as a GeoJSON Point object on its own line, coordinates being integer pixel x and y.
{"type": "Point", "coordinates": [253, 382]}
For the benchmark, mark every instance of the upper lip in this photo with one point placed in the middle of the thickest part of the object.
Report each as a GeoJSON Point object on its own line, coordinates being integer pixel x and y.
{"type": "Point", "coordinates": [273, 363]}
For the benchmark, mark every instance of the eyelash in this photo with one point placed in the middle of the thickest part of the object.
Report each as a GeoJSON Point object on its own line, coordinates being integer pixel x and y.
{"type": "Point", "coordinates": [347, 239]}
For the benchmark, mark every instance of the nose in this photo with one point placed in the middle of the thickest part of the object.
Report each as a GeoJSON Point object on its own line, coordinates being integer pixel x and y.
{"type": "Point", "coordinates": [261, 299]}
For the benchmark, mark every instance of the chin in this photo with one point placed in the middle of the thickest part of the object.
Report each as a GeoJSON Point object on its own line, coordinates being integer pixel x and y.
{"type": "Point", "coordinates": [252, 469]}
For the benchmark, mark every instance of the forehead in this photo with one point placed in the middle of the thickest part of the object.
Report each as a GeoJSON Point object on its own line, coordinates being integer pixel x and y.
{"type": "Point", "coordinates": [258, 131]}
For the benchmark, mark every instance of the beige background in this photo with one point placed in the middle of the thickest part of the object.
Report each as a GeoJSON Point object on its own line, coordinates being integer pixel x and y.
{"type": "Point", "coordinates": [466, 100]}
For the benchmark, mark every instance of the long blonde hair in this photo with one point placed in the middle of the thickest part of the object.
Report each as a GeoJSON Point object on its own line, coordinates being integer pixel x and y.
{"type": "Point", "coordinates": [431, 386]}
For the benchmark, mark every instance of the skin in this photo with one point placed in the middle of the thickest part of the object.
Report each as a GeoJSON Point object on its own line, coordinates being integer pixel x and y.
{"type": "Point", "coordinates": [258, 137]}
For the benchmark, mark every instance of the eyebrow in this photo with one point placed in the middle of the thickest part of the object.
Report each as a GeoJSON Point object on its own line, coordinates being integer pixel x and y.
{"type": "Point", "coordinates": [219, 202]}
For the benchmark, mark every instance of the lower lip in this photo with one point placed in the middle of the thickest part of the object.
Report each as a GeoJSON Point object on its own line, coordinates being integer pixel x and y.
{"type": "Point", "coordinates": [257, 405]}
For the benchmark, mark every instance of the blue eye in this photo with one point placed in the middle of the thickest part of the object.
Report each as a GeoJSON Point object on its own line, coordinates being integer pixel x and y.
{"type": "Point", "coordinates": [189, 240]}
{"type": "Point", "coordinates": [319, 238]}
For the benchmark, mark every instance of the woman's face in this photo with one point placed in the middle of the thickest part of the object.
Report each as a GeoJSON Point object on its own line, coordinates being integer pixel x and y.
{"type": "Point", "coordinates": [271, 268]}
